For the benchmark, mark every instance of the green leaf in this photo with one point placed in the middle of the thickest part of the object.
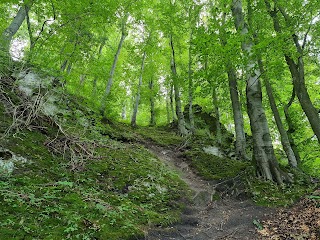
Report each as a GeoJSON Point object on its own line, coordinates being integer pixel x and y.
{"type": "Point", "coordinates": [257, 224]}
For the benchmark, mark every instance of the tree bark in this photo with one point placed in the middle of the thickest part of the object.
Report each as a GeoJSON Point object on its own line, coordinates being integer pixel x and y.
{"type": "Point", "coordinates": [124, 110]}
{"type": "Point", "coordinates": [152, 104]}
{"type": "Point", "coordinates": [29, 29]}
{"type": "Point", "coordinates": [190, 87]}
{"type": "Point", "coordinates": [112, 71]}
{"type": "Point", "coordinates": [237, 112]}
{"type": "Point", "coordinates": [214, 103]}
{"type": "Point", "coordinates": [263, 152]}
{"type": "Point", "coordinates": [291, 127]}
{"type": "Point", "coordinates": [11, 30]}
{"type": "Point", "coordinates": [217, 113]}
{"type": "Point", "coordinates": [168, 106]}
{"type": "Point", "coordinates": [64, 65]}
{"type": "Point", "coordinates": [297, 71]}
{"type": "Point", "coordinates": [94, 82]}
{"type": "Point", "coordinates": [136, 105]}
{"type": "Point", "coordinates": [173, 112]}
{"type": "Point", "coordinates": [283, 134]}
{"type": "Point", "coordinates": [181, 122]}
{"type": "Point", "coordinates": [235, 101]}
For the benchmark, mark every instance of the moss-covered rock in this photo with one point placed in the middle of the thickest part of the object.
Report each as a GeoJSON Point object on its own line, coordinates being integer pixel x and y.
{"type": "Point", "coordinates": [213, 167]}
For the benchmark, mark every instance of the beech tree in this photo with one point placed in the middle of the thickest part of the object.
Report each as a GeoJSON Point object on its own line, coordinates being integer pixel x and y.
{"type": "Point", "coordinates": [10, 31]}
{"type": "Point", "coordinates": [296, 67]}
{"type": "Point", "coordinates": [263, 152]}
{"type": "Point", "coordinates": [137, 100]}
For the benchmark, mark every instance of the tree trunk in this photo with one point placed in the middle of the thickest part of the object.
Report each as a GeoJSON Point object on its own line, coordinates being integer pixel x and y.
{"type": "Point", "coordinates": [214, 103]}
{"type": "Point", "coordinates": [283, 134]}
{"type": "Point", "coordinates": [181, 123]}
{"type": "Point", "coordinates": [82, 79]}
{"type": "Point", "coordinates": [152, 109]}
{"type": "Point", "coordinates": [237, 113]}
{"type": "Point", "coordinates": [263, 152]}
{"type": "Point", "coordinates": [291, 127]}
{"type": "Point", "coordinates": [297, 71]}
{"type": "Point", "coordinates": [124, 110]}
{"type": "Point", "coordinates": [168, 106]}
{"type": "Point", "coordinates": [64, 65]}
{"type": "Point", "coordinates": [69, 68]}
{"type": "Point", "coordinates": [190, 88]}
{"type": "Point", "coordinates": [94, 87]}
{"type": "Point", "coordinates": [111, 74]}
{"type": "Point", "coordinates": [11, 30]}
{"type": "Point", "coordinates": [29, 29]}
{"type": "Point", "coordinates": [94, 82]}
{"type": "Point", "coordinates": [173, 112]}
{"type": "Point", "coordinates": [217, 114]}
{"type": "Point", "coordinates": [235, 100]}
{"type": "Point", "coordinates": [136, 105]}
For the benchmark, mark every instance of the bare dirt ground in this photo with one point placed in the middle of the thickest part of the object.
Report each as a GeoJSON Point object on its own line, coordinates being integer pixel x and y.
{"type": "Point", "coordinates": [205, 218]}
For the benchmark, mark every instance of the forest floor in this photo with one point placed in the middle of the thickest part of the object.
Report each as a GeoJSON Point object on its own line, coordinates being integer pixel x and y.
{"type": "Point", "coordinates": [210, 217]}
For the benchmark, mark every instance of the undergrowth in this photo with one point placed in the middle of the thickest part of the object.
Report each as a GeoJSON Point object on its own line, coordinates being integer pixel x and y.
{"type": "Point", "coordinates": [83, 182]}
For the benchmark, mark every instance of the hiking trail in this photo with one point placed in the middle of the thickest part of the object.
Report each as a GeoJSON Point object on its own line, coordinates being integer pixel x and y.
{"type": "Point", "coordinates": [205, 218]}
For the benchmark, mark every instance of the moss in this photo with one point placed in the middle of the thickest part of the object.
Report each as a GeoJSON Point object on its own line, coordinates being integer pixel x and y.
{"type": "Point", "coordinates": [266, 193]}
{"type": "Point", "coordinates": [113, 197]}
{"type": "Point", "coordinates": [160, 136]}
{"type": "Point", "coordinates": [117, 196]}
{"type": "Point", "coordinates": [213, 167]}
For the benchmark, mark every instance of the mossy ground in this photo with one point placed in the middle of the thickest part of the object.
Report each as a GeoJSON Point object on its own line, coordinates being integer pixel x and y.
{"type": "Point", "coordinates": [214, 168]}
{"type": "Point", "coordinates": [118, 195]}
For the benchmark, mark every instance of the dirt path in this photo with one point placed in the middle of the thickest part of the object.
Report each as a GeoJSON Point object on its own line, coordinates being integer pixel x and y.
{"type": "Point", "coordinates": [206, 219]}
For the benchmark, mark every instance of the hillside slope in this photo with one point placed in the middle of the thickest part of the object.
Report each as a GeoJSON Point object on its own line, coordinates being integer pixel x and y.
{"type": "Point", "coordinates": [68, 173]}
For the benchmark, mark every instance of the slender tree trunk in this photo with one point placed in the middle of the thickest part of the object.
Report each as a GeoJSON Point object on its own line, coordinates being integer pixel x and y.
{"type": "Point", "coordinates": [168, 106]}
{"type": "Point", "coordinates": [94, 83]}
{"type": "Point", "coordinates": [82, 79]}
{"type": "Point", "coordinates": [64, 65]}
{"type": "Point", "coordinates": [29, 29]}
{"type": "Point", "coordinates": [136, 105]}
{"type": "Point", "coordinates": [297, 71]}
{"type": "Point", "coordinates": [67, 64]}
{"type": "Point", "coordinates": [283, 134]}
{"type": "Point", "coordinates": [263, 152]}
{"type": "Point", "coordinates": [214, 103]}
{"type": "Point", "coordinates": [235, 101]}
{"type": "Point", "coordinates": [11, 30]}
{"type": "Point", "coordinates": [173, 112]}
{"type": "Point", "coordinates": [94, 87]}
{"type": "Point", "coordinates": [69, 68]}
{"type": "Point", "coordinates": [111, 74]}
{"type": "Point", "coordinates": [181, 122]}
{"type": "Point", "coordinates": [291, 127]}
{"type": "Point", "coordinates": [237, 113]}
{"type": "Point", "coordinates": [217, 113]}
{"type": "Point", "coordinates": [152, 107]}
{"type": "Point", "coordinates": [124, 110]}
{"type": "Point", "coordinates": [190, 87]}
